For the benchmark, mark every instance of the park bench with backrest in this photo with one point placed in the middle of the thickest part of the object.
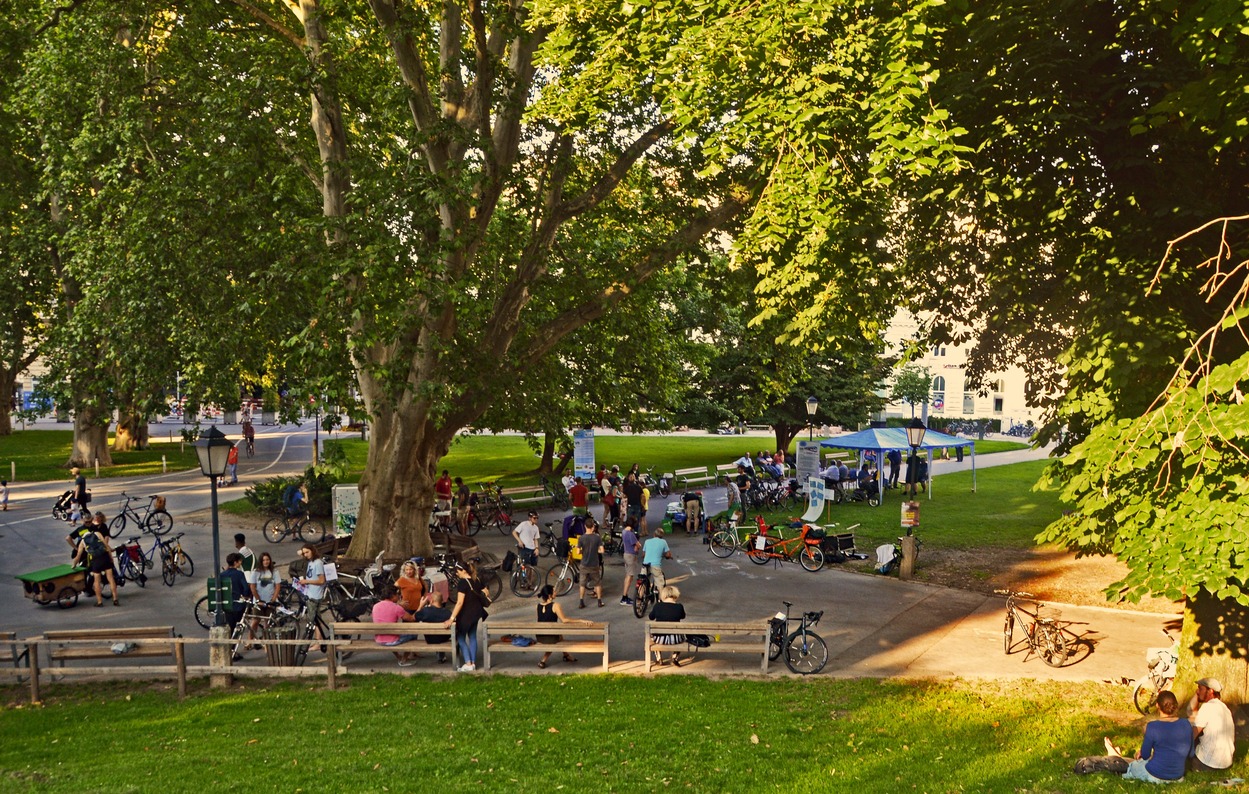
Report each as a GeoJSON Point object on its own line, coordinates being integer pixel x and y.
{"type": "Point", "coordinates": [575, 638]}
{"type": "Point", "coordinates": [742, 637]}
{"type": "Point", "coordinates": [694, 475]}
{"type": "Point", "coordinates": [359, 638]}
{"type": "Point", "coordinates": [521, 496]}
{"type": "Point", "coordinates": [725, 472]}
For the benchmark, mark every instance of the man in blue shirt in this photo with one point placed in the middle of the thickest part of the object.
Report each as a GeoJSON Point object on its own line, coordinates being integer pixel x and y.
{"type": "Point", "coordinates": [654, 551]}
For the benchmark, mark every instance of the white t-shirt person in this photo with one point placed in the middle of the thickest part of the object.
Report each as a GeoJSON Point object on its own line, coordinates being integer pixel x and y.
{"type": "Point", "coordinates": [1217, 742]}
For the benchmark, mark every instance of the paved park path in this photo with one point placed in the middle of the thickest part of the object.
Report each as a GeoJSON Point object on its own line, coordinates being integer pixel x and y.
{"type": "Point", "coordinates": [875, 626]}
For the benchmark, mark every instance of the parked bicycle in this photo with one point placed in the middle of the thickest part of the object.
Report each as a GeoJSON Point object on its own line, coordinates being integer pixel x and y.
{"type": "Point", "coordinates": [258, 617]}
{"type": "Point", "coordinates": [645, 593]}
{"type": "Point", "coordinates": [1042, 628]}
{"type": "Point", "coordinates": [302, 527]}
{"type": "Point", "coordinates": [133, 562]}
{"type": "Point", "coordinates": [563, 575]}
{"type": "Point", "coordinates": [289, 598]}
{"type": "Point", "coordinates": [805, 652]}
{"type": "Point", "coordinates": [490, 580]}
{"type": "Point", "coordinates": [554, 491]}
{"type": "Point", "coordinates": [525, 579]}
{"type": "Point", "coordinates": [803, 548]}
{"type": "Point", "coordinates": [724, 540]}
{"type": "Point", "coordinates": [1162, 665]}
{"type": "Point", "coordinates": [155, 519]}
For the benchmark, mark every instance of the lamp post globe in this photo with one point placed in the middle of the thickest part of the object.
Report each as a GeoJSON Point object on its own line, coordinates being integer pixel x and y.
{"type": "Point", "coordinates": [813, 405]}
{"type": "Point", "coordinates": [915, 437]}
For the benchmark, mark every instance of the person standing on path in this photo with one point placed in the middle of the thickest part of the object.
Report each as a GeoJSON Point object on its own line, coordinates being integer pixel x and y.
{"type": "Point", "coordinates": [469, 611]}
{"type": "Point", "coordinates": [631, 546]}
{"type": "Point", "coordinates": [527, 534]}
{"type": "Point", "coordinates": [579, 498]}
{"type": "Point", "coordinates": [80, 494]}
{"type": "Point", "coordinates": [4, 495]}
{"type": "Point", "coordinates": [232, 464]}
{"type": "Point", "coordinates": [632, 490]}
{"type": "Point", "coordinates": [248, 566]}
{"type": "Point", "coordinates": [443, 493]}
{"type": "Point", "coordinates": [591, 545]}
{"type": "Point", "coordinates": [894, 456]}
{"type": "Point", "coordinates": [96, 551]}
{"type": "Point", "coordinates": [463, 497]}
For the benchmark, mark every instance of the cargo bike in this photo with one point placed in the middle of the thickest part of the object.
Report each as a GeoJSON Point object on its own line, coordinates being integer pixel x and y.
{"type": "Point", "coordinates": [60, 585]}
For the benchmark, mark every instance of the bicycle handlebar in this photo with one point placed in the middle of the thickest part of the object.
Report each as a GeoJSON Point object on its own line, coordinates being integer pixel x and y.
{"type": "Point", "coordinates": [1014, 593]}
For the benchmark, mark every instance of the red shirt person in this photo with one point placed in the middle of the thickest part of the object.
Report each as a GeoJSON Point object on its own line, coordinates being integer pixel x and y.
{"type": "Point", "coordinates": [579, 496]}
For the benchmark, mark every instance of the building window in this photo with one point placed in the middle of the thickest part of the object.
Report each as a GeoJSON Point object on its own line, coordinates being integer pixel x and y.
{"type": "Point", "coordinates": [938, 351]}
{"type": "Point", "coordinates": [969, 405]}
{"type": "Point", "coordinates": [997, 404]}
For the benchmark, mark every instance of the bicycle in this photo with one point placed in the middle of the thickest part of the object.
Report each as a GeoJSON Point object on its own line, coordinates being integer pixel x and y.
{"type": "Point", "coordinates": [180, 563]}
{"type": "Point", "coordinates": [525, 578]}
{"type": "Point", "coordinates": [154, 519]}
{"type": "Point", "coordinates": [1162, 665]}
{"type": "Point", "coordinates": [645, 593]}
{"type": "Point", "coordinates": [255, 613]}
{"type": "Point", "coordinates": [548, 541]}
{"type": "Point", "coordinates": [556, 494]}
{"type": "Point", "coordinates": [760, 547]}
{"type": "Point", "coordinates": [563, 575]}
{"type": "Point", "coordinates": [288, 597]}
{"type": "Point", "coordinates": [806, 653]}
{"type": "Point", "coordinates": [313, 627]}
{"type": "Point", "coordinates": [301, 527]}
{"type": "Point", "coordinates": [1042, 629]}
{"type": "Point", "coordinates": [137, 560]}
{"type": "Point", "coordinates": [489, 579]}
{"type": "Point", "coordinates": [249, 446]}
{"type": "Point", "coordinates": [724, 540]}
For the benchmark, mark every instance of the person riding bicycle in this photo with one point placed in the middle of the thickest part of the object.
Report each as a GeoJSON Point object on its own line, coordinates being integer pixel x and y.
{"type": "Point", "coordinates": [293, 499]}
{"type": "Point", "coordinates": [654, 551]}
{"type": "Point", "coordinates": [249, 435]}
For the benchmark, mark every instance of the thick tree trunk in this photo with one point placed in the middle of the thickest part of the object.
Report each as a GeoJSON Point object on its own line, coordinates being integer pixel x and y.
{"type": "Point", "coordinates": [90, 437]}
{"type": "Point", "coordinates": [7, 379]}
{"type": "Point", "coordinates": [548, 453]}
{"type": "Point", "coordinates": [1215, 643]}
{"type": "Point", "coordinates": [784, 434]}
{"type": "Point", "coordinates": [132, 432]}
{"type": "Point", "coordinates": [397, 488]}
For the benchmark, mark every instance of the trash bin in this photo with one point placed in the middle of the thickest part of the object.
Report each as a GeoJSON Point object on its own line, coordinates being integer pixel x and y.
{"type": "Point", "coordinates": [280, 655]}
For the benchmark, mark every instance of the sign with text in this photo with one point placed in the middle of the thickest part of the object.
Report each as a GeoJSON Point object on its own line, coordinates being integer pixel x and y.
{"type": "Point", "coordinates": [583, 454]}
{"type": "Point", "coordinates": [808, 460]}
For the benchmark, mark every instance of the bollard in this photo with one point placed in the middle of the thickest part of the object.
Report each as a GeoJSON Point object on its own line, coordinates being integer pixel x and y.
{"type": "Point", "coordinates": [97, 468]}
{"type": "Point", "coordinates": [219, 655]}
{"type": "Point", "coordinates": [907, 567]}
{"type": "Point", "coordinates": [12, 471]}
{"type": "Point", "coordinates": [164, 465]}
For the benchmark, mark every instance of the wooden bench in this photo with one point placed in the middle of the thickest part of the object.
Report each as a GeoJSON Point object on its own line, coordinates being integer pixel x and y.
{"type": "Point", "coordinates": [525, 495]}
{"type": "Point", "coordinates": [576, 638]}
{"type": "Point", "coordinates": [725, 472]}
{"type": "Point", "coordinates": [694, 475]}
{"type": "Point", "coordinates": [362, 638]}
{"type": "Point", "coordinates": [733, 638]}
{"type": "Point", "coordinates": [79, 644]}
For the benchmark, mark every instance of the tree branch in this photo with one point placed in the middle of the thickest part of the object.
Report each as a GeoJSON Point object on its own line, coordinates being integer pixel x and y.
{"type": "Point", "coordinates": [608, 181]}
{"type": "Point", "coordinates": [412, 70]}
{"type": "Point", "coordinates": [272, 23]}
{"type": "Point", "coordinates": [55, 19]}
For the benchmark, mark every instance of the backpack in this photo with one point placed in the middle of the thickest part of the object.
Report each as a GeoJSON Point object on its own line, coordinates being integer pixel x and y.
{"type": "Point", "coordinates": [95, 546]}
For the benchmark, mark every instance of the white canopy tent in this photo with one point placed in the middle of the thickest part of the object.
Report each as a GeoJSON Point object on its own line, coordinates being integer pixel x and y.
{"type": "Point", "coordinates": [884, 439]}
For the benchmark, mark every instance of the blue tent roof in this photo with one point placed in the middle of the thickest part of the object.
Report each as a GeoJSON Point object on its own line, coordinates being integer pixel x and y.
{"type": "Point", "coordinates": [883, 438]}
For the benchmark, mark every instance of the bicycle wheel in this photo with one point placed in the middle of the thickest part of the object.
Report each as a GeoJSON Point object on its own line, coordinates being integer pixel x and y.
{"type": "Point", "coordinates": [723, 544]}
{"type": "Point", "coordinates": [291, 598]}
{"type": "Point", "coordinates": [168, 572]}
{"type": "Point", "coordinates": [776, 639]}
{"type": "Point", "coordinates": [474, 523]}
{"type": "Point", "coordinates": [641, 597]}
{"type": "Point", "coordinates": [202, 615]}
{"type": "Point", "coordinates": [1008, 633]}
{"type": "Point", "coordinates": [756, 555]}
{"type": "Point", "coordinates": [546, 544]}
{"type": "Point", "coordinates": [525, 580]}
{"type": "Point", "coordinates": [1145, 695]}
{"type": "Point", "coordinates": [874, 499]}
{"type": "Point", "coordinates": [805, 652]}
{"type": "Point", "coordinates": [183, 562]}
{"type": "Point", "coordinates": [117, 525]}
{"type": "Point", "coordinates": [275, 530]}
{"type": "Point", "coordinates": [492, 583]}
{"type": "Point", "coordinates": [1055, 650]}
{"type": "Point", "coordinates": [560, 578]}
{"type": "Point", "coordinates": [811, 558]}
{"type": "Point", "coordinates": [158, 523]}
{"type": "Point", "coordinates": [311, 531]}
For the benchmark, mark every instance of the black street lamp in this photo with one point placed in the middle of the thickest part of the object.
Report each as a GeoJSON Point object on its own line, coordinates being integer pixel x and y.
{"type": "Point", "coordinates": [213, 448]}
{"type": "Point", "coordinates": [915, 437]}
{"type": "Point", "coordinates": [813, 405]}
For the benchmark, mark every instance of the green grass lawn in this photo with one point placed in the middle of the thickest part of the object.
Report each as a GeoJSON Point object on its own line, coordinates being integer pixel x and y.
{"type": "Point", "coordinates": [1005, 510]}
{"type": "Point", "coordinates": [40, 456]}
{"type": "Point", "coordinates": [510, 461]}
{"type": "Point", "coordinates": [573, 733]}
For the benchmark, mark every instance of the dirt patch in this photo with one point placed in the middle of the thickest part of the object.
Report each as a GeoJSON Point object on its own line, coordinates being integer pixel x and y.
{"type": "Point", "coordinates": [1048, 573]}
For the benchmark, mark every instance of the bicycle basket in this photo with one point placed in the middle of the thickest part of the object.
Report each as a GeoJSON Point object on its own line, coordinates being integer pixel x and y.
{"type": "Point", "coordinates": [160, 503]}
{"type": "Point", "coordinates": [1045, 612]}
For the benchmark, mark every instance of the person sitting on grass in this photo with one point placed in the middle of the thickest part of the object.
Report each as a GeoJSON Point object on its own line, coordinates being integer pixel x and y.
{"type": "Point", "coordinates": [1163, 754]}
{"type": "Point", "coordinates": [549, 611]}
{"type": "Point", "coordinates": [1214, 731]}
{"type": "Point", "coordinates": [389, 610]}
